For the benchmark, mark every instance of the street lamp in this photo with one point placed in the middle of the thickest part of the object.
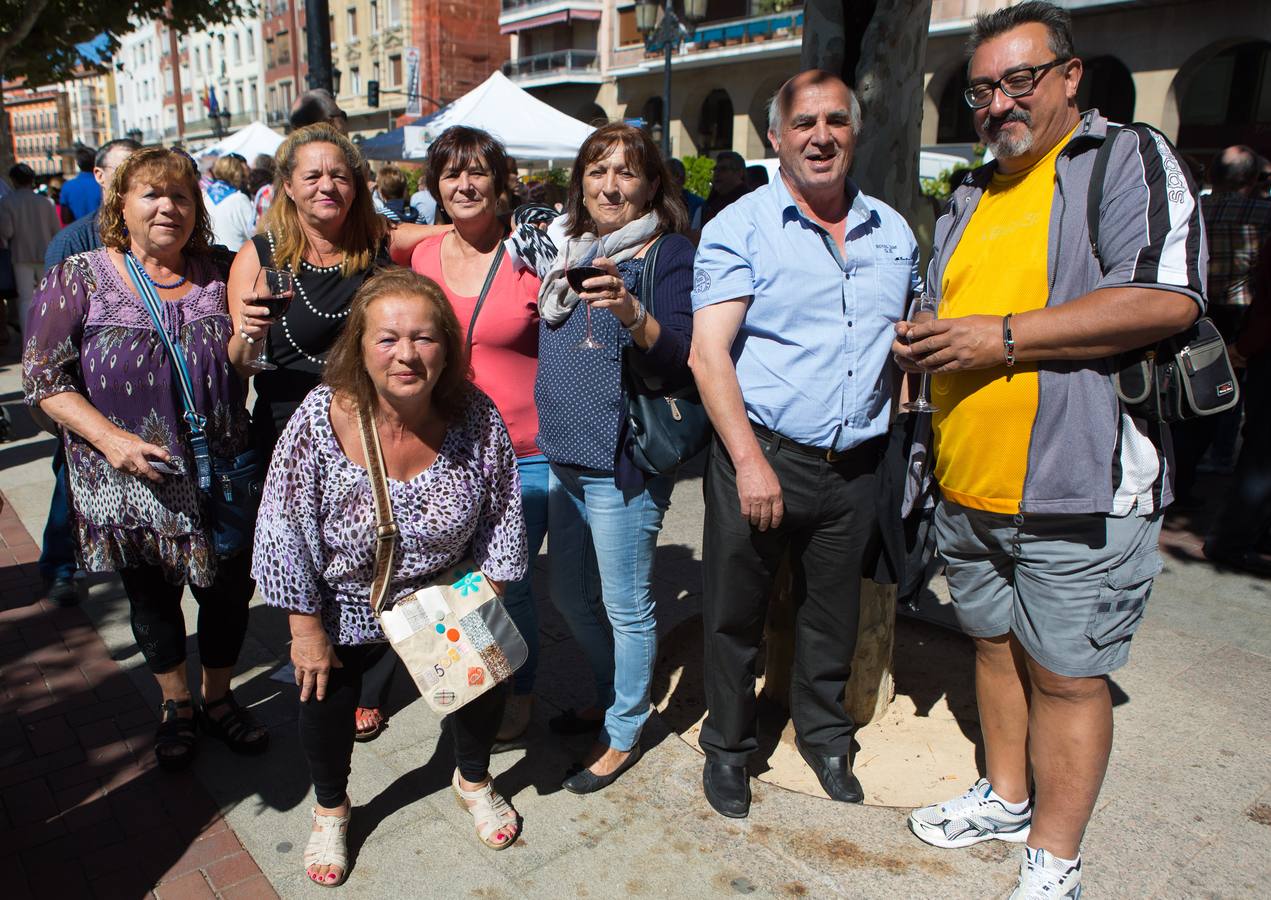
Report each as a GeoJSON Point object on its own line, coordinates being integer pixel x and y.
{"type": "Point", "coordinates": [666, 34]}
{"type": "Point", "coordinates": [224, 117]}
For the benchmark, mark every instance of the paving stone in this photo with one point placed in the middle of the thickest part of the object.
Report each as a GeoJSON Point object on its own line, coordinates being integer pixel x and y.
{"type": "Point", "coordinates": [192, 886]}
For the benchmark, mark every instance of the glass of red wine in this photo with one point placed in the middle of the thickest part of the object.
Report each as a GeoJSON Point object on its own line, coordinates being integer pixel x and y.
{"type": "Point", "coordinates": [580, 253]}
{"type": "Point", "coordinates": [274, 290]}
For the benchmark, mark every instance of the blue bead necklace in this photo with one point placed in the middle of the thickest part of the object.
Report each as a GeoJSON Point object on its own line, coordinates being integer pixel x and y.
{"type": "Point", "coordinates": [146, 275]}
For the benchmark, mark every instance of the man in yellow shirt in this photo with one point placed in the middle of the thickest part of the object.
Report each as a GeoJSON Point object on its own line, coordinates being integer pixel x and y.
{"type": "Point", "coordinates": [1051, 493]}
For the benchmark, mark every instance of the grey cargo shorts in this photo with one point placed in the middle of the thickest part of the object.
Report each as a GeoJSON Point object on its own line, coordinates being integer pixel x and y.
{"type": "Point", "coordinates": [1072, 588]}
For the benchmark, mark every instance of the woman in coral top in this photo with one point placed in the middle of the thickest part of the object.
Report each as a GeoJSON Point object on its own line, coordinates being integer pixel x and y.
{"type": "Point", "coordinates": [467, 173]}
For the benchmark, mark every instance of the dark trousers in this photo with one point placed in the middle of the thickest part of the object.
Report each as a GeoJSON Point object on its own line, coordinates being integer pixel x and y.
{"type": "Point", "coordinates": [377, 681]}
{"type": "Point", "coordinates": [327, 725]}
{"type": "Point", "coordinates": [829, 524]}
{"type": "Point", "coordinates": [57, 553]}
{"type": "Point", "coordinates": [159, 626]}
{"type": "Point", "coordinates": [1247, 514]}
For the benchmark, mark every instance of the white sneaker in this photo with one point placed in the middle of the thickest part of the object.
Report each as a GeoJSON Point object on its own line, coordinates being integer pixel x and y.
{"type": "Point", "coordinates": [1042, 878]}
{"type": "Point", "coordinates": [974, 817]}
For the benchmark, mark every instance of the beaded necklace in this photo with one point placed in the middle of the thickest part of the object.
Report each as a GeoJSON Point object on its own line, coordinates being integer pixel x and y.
{"type": "Point", "coordinates": [146, 275]}
{"type": "Point", "coordinates": [305, 265]}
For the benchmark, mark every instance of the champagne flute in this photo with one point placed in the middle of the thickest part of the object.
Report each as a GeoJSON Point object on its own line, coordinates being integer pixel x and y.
{"type": "Point", "coordinates": [580, 252]}
{"type": "Point", "coordinates": [274, 290]}
{"type": "Point", "coordinates": [921, 310]}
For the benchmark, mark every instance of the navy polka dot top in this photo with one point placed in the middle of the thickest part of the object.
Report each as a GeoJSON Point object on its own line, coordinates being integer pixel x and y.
{"type": "Point", "coordinates": [579, 393]}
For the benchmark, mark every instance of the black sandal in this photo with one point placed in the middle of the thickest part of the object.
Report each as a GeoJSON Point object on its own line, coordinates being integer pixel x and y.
{"type": "Point", "coordinates": [175, 731]}
{"type": "Point", "coordinates": [234, 726]}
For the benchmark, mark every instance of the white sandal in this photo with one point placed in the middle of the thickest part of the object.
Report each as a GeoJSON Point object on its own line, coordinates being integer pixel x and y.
{"type": "Point", "coordinates": [327, 847]}
{"type": "Point", "coordinates": [491, 812]}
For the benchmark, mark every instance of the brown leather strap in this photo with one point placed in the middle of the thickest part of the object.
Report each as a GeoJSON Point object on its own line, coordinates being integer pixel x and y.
{"type": "Point", "coordinates": [385, 526]}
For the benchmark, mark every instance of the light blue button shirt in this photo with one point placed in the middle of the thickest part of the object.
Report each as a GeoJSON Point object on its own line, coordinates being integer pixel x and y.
{"type": "Point", "coordinates": [813, 356]}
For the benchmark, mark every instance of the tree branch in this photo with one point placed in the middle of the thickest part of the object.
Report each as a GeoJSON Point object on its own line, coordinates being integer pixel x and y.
{"type": "Point", "coordinates": [26, 22]}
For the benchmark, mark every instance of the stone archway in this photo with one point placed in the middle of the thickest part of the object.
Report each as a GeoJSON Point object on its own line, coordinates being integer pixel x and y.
{"type": "Point", "coordinates": [1106, 85]}
{"type": "Point", "coordinates": [1222, 96]}
{"type": "Point", "coordinates": [592, 114]}
{"type": "Point", "coordinates": [714, 131]}
{"type": "Point", "coordinates": [758, 115]}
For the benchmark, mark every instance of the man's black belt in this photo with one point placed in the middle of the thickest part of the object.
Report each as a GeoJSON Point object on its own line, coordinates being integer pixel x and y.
{"type": "Point", "coordinates": [871, 447]}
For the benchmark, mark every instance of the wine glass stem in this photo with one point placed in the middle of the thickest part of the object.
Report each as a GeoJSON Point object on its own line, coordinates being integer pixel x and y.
{"type": "Point", "coordinates": [263, 355]}
{"type": "Point", "coordinates": [924, 389]}
{"type": "Point", "coordinates": [587, 310]}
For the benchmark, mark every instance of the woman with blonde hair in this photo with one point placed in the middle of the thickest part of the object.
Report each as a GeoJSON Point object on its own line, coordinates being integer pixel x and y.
{"type": "Point", "coordinates": [454, 492]}
{"type": "Point", "coordinates": [228, 206]}
{"type": "Point", "coordinates": [323, 229]}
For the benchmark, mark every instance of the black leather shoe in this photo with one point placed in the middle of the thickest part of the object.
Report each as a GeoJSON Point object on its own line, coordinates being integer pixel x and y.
{"type": "Point", "coordinates": [62, 592]}
{"type": "Point", "coordinates": [727, 789]}
{"type": "Point", "coordinates": [834, 773]}
{"type": "Point", "coordinates": [588, 782]}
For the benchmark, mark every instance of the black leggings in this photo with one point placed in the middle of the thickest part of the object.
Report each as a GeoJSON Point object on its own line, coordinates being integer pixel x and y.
{"type": "Point", "coordinates": [159, 627]}
{"type": "Point", "coordinates": [327, 726]}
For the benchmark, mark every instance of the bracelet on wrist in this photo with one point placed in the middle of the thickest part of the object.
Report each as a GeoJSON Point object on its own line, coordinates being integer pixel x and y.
{"type": "Point", "coordinates": [1008, 339]}
{"type": "Point", "coordinates": [641, 315]}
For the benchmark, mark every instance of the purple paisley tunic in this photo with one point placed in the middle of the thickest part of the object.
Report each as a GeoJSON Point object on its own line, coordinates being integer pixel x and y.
{"type": "Point", "coordinates": [89, 333]}
{"type": "Point", "coordinates": [315, 535]}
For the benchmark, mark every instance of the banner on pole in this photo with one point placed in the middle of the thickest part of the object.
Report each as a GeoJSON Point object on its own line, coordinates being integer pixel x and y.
{"type": "Point", "coordinates": [414, 103]}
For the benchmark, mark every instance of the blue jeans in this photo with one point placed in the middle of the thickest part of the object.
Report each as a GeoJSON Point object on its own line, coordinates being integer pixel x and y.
{"type": "Point", "coordinates": [57, 555]}
{"type": "Point", "coordinates": [518, 597]}
{"type": "Point", "coordinates": [602, 543]}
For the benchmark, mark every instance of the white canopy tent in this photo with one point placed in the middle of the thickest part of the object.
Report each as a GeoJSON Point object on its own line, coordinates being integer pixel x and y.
{"type": "Point", "coordinates": [248, 142]}
{"type": "Point", "coordinates": [528, 127]}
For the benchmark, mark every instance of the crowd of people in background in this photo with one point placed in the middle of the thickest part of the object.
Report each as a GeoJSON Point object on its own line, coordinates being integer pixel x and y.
{"type": "Point", "coordinates": [445, 316]}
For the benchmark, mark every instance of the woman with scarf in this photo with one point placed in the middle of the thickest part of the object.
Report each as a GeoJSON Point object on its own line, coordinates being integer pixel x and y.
{"type": "Point", "coordinates": [604, 514]}
{"type": "Point", "coordinates": [229, 208]}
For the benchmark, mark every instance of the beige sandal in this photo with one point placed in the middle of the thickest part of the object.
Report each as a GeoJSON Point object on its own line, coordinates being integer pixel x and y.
{"type": "Point", "coordinates": [492, 814]}
{"type": "Point", "coordinates": [327, 847]}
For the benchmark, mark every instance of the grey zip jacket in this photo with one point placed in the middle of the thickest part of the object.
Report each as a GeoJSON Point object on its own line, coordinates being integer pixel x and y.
{"type": "Point", "coordinates": [1087, 454]}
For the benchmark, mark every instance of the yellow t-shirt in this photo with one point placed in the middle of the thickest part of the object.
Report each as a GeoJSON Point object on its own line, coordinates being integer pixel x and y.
{"type": "Point", "coordinates": [985, 422]}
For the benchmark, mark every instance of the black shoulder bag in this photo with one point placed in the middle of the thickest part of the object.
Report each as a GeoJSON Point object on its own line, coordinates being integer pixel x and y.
{"type": "Point", "coordinates": [668, 425]}
{"type": "Point", "coordinates": [485, 289]}
{"type": "Point", "coordinates": [1186, 375]}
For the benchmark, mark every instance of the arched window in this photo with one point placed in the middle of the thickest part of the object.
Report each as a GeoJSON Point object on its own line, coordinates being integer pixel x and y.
{"type": "Point", "coordinates": [956, 124]}
{"type": "Point", "coordinates": [1227, 100]}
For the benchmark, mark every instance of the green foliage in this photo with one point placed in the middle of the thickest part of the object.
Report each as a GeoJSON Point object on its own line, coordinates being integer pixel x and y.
{"type": "Point", "coordinates": [48, 53]}
{"type": "Point", "coordinates": [939, 188]}
{"type": "Point", "coordinates": [558, 176]}
{"type": "Point", "coordinates": [699, 170]}
{"type": "Point", "coordinates": [765, 7]}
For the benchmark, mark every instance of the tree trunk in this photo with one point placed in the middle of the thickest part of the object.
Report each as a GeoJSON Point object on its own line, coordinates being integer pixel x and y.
{"type": "Point", "coordinates": [871, 688]}
{"type": "Point", "coordinates": [889, 84]}
{"type": "Point", "coordinates": [886, 53]}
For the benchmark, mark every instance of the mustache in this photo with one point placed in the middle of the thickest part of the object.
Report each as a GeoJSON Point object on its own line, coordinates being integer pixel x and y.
{"type": "Point", "coordinates": [1015, 115]}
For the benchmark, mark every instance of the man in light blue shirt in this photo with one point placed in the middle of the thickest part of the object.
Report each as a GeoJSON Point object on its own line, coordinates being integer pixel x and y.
{"type": "Point", "coordinates": [797, 289]}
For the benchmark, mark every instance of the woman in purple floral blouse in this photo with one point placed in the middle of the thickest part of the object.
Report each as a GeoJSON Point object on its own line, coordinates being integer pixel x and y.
{"type": "Point", "coordinates": [454, 489]}
{"type": "Point", "coordinates": [95, 364]}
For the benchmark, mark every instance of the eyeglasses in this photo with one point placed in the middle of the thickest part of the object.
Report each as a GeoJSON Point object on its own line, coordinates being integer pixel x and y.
{"type": "Point", "coordinates": [1019, 83]}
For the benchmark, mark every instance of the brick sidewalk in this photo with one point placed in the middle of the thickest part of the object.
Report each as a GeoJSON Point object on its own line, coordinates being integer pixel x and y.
{"type": "Point", "coordinates": [84, 811]}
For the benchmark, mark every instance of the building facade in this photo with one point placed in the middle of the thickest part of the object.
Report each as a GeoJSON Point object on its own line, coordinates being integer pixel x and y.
{"type": "Point", "coordinates": [139, 84]}
{"type": "Point", "coordinates": [1198, 69]}
{"type": "Point", "coordinates": [222, 72]}
{"type": "Point", "coordinates": [369, 42]}
{"type": "Point", "coordinates": [39, 122]}
{"type": "Point", "coordinates": [285, 58]}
